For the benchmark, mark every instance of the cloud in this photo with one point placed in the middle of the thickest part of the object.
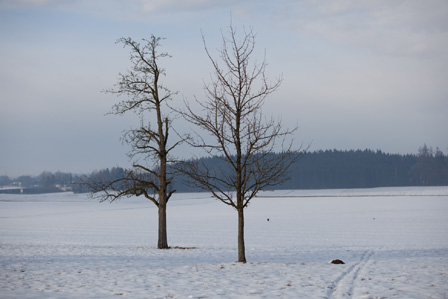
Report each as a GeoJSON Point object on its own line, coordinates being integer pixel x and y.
{"type": "Point", "coordinates": [133, 10]}
{"type": "Point", "coordinates": [148, 6]}
{"type": "Point", "coordinates": [155, 5]}
{"type": "Point", "coordinates": [407, 27]}
{"type": "Point", "coordinates": [24, 3]}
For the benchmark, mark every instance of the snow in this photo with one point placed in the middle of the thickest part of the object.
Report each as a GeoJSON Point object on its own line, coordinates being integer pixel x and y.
{"type": "Point", "coordinates": [394, 242]}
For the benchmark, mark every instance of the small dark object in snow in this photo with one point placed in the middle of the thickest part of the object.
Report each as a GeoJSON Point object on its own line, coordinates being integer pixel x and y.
{"type": "Point", "coordinates": [183, 248]}
{"type": "Point", "coordinates": [268, 219]}
{"type": "Point", "coordinates": [337, 262]}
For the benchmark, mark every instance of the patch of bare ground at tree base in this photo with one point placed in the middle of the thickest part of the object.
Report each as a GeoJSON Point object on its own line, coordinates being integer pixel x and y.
{"type": "Point", "coordinates": [171, 247]}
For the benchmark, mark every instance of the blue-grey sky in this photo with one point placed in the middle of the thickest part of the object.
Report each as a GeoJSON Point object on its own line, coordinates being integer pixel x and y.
{"type": "Point", "coordinates": [356, 73]}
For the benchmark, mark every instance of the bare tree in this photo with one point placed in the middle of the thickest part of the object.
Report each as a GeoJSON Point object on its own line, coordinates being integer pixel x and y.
{"type": "Point", "coordinates": [231, 126]}
{"type": "Point", "coordinates": [145, 95]}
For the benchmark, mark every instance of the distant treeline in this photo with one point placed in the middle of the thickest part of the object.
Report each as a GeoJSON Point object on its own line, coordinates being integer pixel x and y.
{"type": "Point", "coordinates": [315, 170]}
{"type": "Point", "coordinates": [46, 182]}
{"type": "Point", "coordinates": [357, 169]}
{"type": "Point", "coordinates": [367, 169]}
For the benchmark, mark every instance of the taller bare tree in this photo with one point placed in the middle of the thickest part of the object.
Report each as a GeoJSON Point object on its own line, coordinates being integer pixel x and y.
{"type": "Point", "coordinates": [145, 96]}
{"type": "Point", "coordinates": [232, 127]}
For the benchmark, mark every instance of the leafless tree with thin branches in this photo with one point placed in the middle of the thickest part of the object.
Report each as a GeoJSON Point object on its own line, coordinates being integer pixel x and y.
{"type": "Point", "coordinates": [145, 96]}
{"type": "Point", "coordinates": [230, 125]}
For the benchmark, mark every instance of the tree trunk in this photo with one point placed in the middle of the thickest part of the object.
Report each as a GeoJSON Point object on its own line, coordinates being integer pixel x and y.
{"type": "Point", "coordinates": [163, 239]}
{"type": "Point", "coordinates": [241, 247]}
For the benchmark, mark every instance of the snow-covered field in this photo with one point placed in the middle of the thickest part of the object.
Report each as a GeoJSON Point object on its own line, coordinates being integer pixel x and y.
{"type": "Point", "coordinates": [394, 242]}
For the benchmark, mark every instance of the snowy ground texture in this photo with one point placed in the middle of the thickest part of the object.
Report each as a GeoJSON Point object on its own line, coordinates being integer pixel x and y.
{"type": "Point", "coordinates": [394, 242]}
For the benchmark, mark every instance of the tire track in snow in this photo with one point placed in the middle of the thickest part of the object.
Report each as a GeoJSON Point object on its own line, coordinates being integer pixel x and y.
{"type": "Point", "coordinates": [344, 285]}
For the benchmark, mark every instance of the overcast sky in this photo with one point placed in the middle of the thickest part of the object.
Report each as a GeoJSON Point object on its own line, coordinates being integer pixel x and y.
{"type": "Point", "coordinates": [356, 74]}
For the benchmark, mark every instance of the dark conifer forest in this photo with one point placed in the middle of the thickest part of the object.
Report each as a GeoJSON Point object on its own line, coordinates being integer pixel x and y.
{"type": "Point", "coordinates": [367, 169]}
{"type": "Point", "coordinates": [315, 170]}
{"type": "Point", "coordinates": [359, 169]}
